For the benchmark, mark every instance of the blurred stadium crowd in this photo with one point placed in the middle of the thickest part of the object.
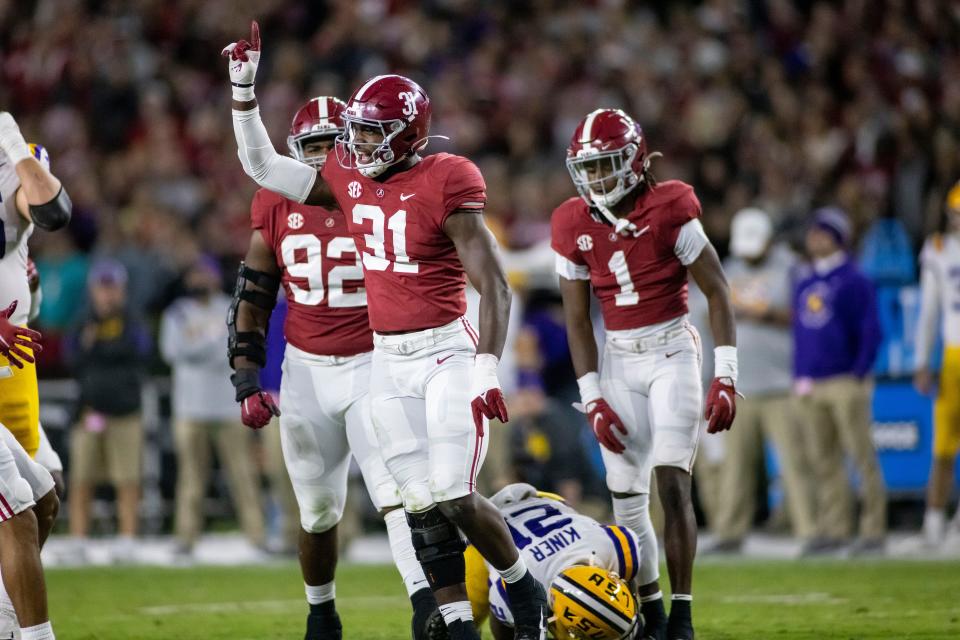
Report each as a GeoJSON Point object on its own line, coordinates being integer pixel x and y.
{"type": "Point", "coordinates": [781, 105]}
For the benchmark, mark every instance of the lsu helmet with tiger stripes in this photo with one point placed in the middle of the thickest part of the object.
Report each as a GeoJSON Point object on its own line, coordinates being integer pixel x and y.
{"type": "Point", "coordinates": [591, 602]}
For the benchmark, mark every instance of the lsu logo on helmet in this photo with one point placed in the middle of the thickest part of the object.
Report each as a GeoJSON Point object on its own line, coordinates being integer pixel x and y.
{"type": "Point", "coordinates": [589, 602]}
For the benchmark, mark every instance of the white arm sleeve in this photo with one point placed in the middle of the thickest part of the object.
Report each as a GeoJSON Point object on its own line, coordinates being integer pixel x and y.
{"type": "Point", "coordinates": [690, 242]}
{"type": "Point", "coordinates": [929, 311]}
{"type": "Point", "coordinates": [36, 299]}
{"type": "Point", "coordinates": [46, 456]}
{"type": "Point", "coordinates": [571, 270]}
{"type": "Point", "coordinates": [283, 175]}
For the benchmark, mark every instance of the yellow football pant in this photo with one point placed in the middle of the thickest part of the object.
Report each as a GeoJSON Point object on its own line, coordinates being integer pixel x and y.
{"type": "Point", "coordinates": [20, 403]}
{"type": "Point", "coordinates": [946, 409]}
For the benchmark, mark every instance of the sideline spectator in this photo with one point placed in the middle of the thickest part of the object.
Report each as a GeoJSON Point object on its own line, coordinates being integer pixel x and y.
{"type": "Point", "coordinates": [193, 338]}
{"type": "Point", "coordinates": [109, 362]}
{"type": "Point", "coordinates": [836, 333]}
{"type": "Point", "coordinates": [759, 273]}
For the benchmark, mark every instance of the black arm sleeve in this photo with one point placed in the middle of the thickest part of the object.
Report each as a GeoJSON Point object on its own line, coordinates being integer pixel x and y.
{"type": "Point", "coordinates": [52, 215]}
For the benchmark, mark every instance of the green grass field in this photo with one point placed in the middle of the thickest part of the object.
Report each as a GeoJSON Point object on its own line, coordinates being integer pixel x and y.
{"type": "Point", "coordinates": [734, 600]}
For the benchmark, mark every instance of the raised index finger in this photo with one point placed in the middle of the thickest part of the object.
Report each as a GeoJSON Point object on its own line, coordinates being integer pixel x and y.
{"type": "Point", "coordinates": [255, 35]}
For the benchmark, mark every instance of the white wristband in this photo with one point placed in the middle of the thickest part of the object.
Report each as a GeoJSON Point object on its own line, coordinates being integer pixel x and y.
{"type": "Point", "coordinates": [485, 373]}
{"type": "Point", "coordinates": [725, 362]}
{"type": "Point", "coordinates": [243, 94]}
{"type": "Point", "coordinates": [589, 388]}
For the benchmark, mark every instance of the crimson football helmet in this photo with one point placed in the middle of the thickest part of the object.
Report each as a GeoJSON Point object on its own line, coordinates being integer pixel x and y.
{"type": "Point", "coordinates": [396, 106]}
{"type": "Point", "coordinates": [609, 143]}
{"type": "Point", "coordinates": [318, 119]}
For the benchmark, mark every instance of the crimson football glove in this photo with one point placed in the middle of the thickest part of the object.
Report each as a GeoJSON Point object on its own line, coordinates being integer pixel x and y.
{"type": "Point", "coordinates": [488, 399]}
{"type": "Point", "coordinates": [257, 410]}
{"type": "Point", "coordinates": [243, 60]}
{"type": "Point", "coordinates": [12, 338]}
{"type": "Point", "coordinates": [721, 405]}
{"type": "Point", "coordinates": [257, 406]}
{"type": "Point", "coordinates": [602, 420]}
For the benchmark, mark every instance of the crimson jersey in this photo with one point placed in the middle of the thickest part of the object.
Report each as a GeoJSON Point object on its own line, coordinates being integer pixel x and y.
{"type": "Point", "coordinates": [414, 277]}
{"type": "Point", "coordinates": [327, 303]}
{"type": "Point", "coordinates": [636, 276]}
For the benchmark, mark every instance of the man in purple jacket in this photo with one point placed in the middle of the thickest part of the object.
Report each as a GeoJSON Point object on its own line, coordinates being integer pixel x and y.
{"type": "Point", "coordinates": [836, 335]}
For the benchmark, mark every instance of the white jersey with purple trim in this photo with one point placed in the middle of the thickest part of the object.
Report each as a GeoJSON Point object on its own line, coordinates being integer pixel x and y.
{"type": "Point", "coordinates": [15, 230]}
{"type": "Point", "coordinates": [552, 537]}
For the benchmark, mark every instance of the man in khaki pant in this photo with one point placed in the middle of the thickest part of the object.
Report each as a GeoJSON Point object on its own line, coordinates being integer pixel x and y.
{"type": "Point", "coordinates": [193, 338]}
{"type": "Point", "coordinates": [836, 335]}
{"type": "Point", "coordinates": [759, 275]}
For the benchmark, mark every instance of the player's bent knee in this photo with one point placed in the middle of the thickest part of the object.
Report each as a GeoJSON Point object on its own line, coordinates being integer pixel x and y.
{"type": "Point", "coordinates": [439, 547]}
{"type": "Point", "coordinates": [462, 509]}
{"type": "Point", "coordinates": [322, 514]}
{"type": "Point", "coordinates": [416, 497]}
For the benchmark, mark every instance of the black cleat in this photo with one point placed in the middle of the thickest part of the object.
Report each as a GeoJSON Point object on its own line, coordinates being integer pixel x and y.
{"type": "Point", "coordinates": [528, 601]}
{"type": "Point", "coordinates": [434, 628]}
{"type": "Point", "coordinates": [427, 623]}
{"type": "Point", "coordinates": [323, 623]}
{"type": "Point", "coordinates": [654, 620]}
{"type": "Point", "coordinates": [680, 624]}
{"type": "Point", "coordinates": [462, 630]}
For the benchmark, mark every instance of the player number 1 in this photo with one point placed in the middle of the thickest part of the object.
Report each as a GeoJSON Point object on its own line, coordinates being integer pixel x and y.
{"type": "Point", "coordinates": [628, 294]}
{"type": "Point", "coordinates": [378, 260]}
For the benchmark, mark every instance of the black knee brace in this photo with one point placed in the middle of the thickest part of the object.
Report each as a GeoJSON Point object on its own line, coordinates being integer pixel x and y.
{"type": "Point", "coordinates": [439, 548]}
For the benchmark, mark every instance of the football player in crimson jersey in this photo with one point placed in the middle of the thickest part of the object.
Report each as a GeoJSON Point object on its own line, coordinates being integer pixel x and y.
{"type": "Point", "coordinates": [634, 241]}
{"type": "Point", "coordinates": [324, 408]}
{"type": "Point", "coordinates": [417, 221]}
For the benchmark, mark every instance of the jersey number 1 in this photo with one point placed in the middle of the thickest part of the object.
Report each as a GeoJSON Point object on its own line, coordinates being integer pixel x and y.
{"type": "Point", "coordinates": [628, 292]}
{"type": "Point", "coordinates": [378, 260]}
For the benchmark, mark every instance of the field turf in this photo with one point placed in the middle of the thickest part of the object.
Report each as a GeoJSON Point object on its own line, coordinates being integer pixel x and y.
{"type": "Point", "coordinates": [734, 600]}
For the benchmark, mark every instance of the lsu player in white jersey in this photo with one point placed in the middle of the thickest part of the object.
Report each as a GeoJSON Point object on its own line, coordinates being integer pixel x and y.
{"type": "Point", "coordinates": [30, 196]}
{"type": "Point", "coordinates": [940, 300]}
{"type": "Point", "coordinates": [589, 570]}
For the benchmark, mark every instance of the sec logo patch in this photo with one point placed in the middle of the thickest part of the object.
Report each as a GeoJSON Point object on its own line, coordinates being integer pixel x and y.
{"type": "Point", "coordinates": [584, 242]}
{"type": "Point", "coordinates": [295, 220]}
{"type": "Point", "coordinates": [354, 189]}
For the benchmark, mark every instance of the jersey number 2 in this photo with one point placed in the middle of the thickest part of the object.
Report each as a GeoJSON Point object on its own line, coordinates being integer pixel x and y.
{"type": "Point", "coordinates": [311, 270]}
{"type": "Point", "coordinates": [397, 224]}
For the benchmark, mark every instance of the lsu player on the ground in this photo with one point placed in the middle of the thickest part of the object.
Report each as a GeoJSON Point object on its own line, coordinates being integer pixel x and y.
{"type": "Point", "coordinates": [29, 196]}
{"type": "Point", "coordinates": [588, 569]}
{"type": "Point", "coordinates": [940, 299]}
{"type": "Point", "coordinates": [634, 241]}
{"type": "Point", "coordinates": [417, 221]}
{"type": "Point", "coordinates": [324, 405]}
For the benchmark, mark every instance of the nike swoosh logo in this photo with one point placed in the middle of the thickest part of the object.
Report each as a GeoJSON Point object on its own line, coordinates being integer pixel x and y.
{"type": "Point", "coordinates": [670, 355]}
{"type": "Point", "coordinates": [596, 420]}
{"type": "Point", "coordinates": [637, 234]}
{"type": "Point", "coordinates": [442, 360]}
{"type": "Point", "coordinates": [404, 196]}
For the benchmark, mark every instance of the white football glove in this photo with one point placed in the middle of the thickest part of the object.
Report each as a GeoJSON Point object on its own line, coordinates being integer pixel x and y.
{"type": "Point", "coordinates": [11, 140]}
{"type": "Point", "coordinates": [243, 59]}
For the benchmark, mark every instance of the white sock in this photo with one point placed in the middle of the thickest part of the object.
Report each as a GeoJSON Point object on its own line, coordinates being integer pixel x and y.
{"type": "Point", "coordinates": [516, 571]}
{"type": "Point", "coordinates": [320, 593]}
{"type": "Point", "coordinates": [456, 611]}
{"type": "Point", "coordinates": [38, 632]}
{"type": "Point", "coordinates": [652, 597]}
{"type": "Point", "coordinates": [634, 514]}
{"type": "Point", "coordinates": [682, 596]}
{"type": "Point", "coordinates": [404, 556]}
{"type": "Point", "coordinates": [934, 525]}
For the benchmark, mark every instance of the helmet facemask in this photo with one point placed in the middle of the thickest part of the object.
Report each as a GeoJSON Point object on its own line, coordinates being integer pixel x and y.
{"type": "Point", "coordinates": [617, 163]}
{"type": "Point", "coordinates": [297, 143]}
{"type": "Point", "coordinates": [381, 155]}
